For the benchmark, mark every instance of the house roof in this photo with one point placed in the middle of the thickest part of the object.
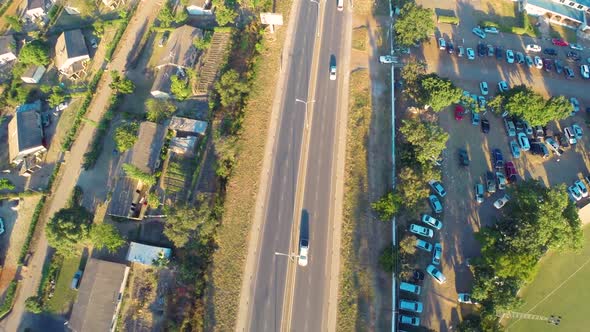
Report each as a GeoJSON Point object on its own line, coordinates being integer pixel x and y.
{"type": "Point", "coordinates": [70, 44]}
{"type": "Point", "coordinates": [34, 4]}
{"type": "Point", "coordinates": [145, 153]}
{"type": "Point", "coordinates": [198, 3]}
{"type": "Point", "coordinates": [7, 44]}
{"type": "Point", "coordinates": [24, 130]}
{"type": "Point", "coordinates": [558, 8]}
{"type": "Point", "coordinates": [98, 296]}
{"type": "Point", "coordinates": [162, 81]}
{"type": "Point", "coordinates": [179, 49]}
{"type": "Point", "coordinates": [146, 254]}
{"type": "Point", "coordinates": [188, 126]}
{"type": "Point", "coordinates": [183, 145]}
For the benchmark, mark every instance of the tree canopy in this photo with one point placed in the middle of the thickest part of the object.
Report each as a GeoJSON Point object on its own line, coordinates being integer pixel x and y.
{"type": "Point", "coordinates": [36, 52]}
{"type": "Point", "coordinates": [121, 84]}
{"type": "Point", "coordinates": [126, 136]}
{"type": "Point", "coordinates": [411, 187]}
{"type": "Point", "coordinates": [58, 95]}
{"type": "Point", "coordinates": [166, 17]}
{"type": "Point", "coordinates": [225, 12]}
{"type": "Point", "coordinates": [67, 228]}
{"type": "Point", "coordinates": [535, 109]}
{"type": "Point", "coordinates": [6, 184]}
{"type": "Point", "coordinates": [14, 22]}
{"type": "Point", "coordinates": [180, 87]}
{"type": "Point", "coordinates": [412, 74]}
{"type": "Point", "coordinates": [427, 139]}
{"type": "Point", "coordinates": [183, 221]}
{"type": "Point", "coordinates": [106, 236]}
{"type": "Point", "coordinates": [414, 24]}
{"type": "Point", "coordinates": [439, 92]}
{"type": "Point", "coordinates": [159, 110]}
{"type": "Point", "coordinates": [231, 88]}
{"type": "Point", "coordinates": [139, 175]}
{"type": "Point", "coordinates": [387, 206]}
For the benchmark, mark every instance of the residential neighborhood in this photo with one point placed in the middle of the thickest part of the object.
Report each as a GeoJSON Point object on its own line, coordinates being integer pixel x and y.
{"type": "Point", "coordinates": [213, 165]}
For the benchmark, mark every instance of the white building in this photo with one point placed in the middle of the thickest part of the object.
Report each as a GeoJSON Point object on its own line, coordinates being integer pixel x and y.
{"type": "Point", "coordinates": [146, 254]}
{"type": "Point", "coordinates": [199, 7]}
{"type": "Point", "coordinates": [33, 74]}
{"type": "Point", "coordinates": [7, 49]}
{"type": "Point", "coordinates": [569, 13]}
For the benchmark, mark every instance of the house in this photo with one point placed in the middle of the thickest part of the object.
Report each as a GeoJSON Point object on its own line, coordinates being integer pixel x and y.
{"type": "Point", "coordinates": [183, 145]}
{"type": "Point", "coordinates": [33, 74]}
{"type": "Point", "coordinates": [7, 49]}
{"type": "Point", "coordinates": [35, 10]}
{"type": "Point", "coordinates": [162, 83]}
{"type": "Point", "coordinates": [71, 54]}
{"type": "Point", "coordinates": [25, 133]}
{"type": "Point", "coordinates": [187, 127]}
{"type": "Point", "coordinates": [146, 254]}
{"type": "Point", "coordinates": [99, 297]}
{"type": "Point", "coordinates": [199, 7]}
{"type": "Point", "coordinates": [568, 13]}
{"type": "Point", "coordinates": [129, 195]}
{"type": "Point", "coordinates": [112, 4]}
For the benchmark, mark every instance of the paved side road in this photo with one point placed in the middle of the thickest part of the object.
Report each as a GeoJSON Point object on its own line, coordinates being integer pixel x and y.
{"type": "Point", "coordinates": [145, 14]}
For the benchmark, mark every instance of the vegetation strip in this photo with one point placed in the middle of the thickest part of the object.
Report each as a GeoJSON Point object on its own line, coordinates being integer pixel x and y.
{"type": "Point", "coordinates": [8, 299]}
{"type": "Point", "coordinates": [25, 249]}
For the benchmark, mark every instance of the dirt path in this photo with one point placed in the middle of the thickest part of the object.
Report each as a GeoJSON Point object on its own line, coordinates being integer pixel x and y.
{"type": "Point", "coordinates": [71, 169]}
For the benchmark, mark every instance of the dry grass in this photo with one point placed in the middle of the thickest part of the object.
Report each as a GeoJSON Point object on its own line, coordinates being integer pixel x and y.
{"type": "Point", "coordinates": [356, 201]}
{"type": "Point", "coordinates": [558, 31]}
{"type": "Point", "coordinates": [360, 38]}
{"type": "Point", "coordinates": [229, 259]}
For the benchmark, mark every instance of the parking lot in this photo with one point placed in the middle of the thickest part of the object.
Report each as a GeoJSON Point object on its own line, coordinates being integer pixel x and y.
{"type": "Point", "coordinates": [462, 214]}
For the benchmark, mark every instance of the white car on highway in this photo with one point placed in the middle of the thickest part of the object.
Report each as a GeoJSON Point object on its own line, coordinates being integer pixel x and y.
{"type": "Point", "coordinates": [533, 48]}
{"type": "Point", "coordinates": [303, 252]}
{"type": "Point", "coordinates": [332, 72]}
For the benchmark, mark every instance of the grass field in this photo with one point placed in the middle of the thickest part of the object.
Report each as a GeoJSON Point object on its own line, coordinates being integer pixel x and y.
{"type": "Point", "coordinates": [64, 296]}
{"type": "Point", "coordinates": [561, 289]}
{"type": "Point", "coordinates": [558, 31]}
{"type": "Point", "coordinates": [360, 38]}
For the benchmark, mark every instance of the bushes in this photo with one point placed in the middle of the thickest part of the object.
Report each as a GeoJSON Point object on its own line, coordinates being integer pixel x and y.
{"type": "Point", "coordinates": [25, 249]}
{"type": "Point", "coordinates": [91, 156]}
{"type": "Point", "coordinates": [137, 174]}
{"type": "Point", "coordinates": [118, 35]}
{"type": "Point", "coordinates": [448, 19]}
{"type": "Point", "coordinates": [8, 299]}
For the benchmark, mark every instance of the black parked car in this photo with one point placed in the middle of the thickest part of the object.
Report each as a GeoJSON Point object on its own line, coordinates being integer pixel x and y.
{"type": "Point", "coordinates": [573, 56]}
{"type": "Point", "coordinates": [548, 64]}
{"type": "Point", "coordinates": [485, 126]}
{"type": "Point", "coordinates": [558, 66]}
{"type": "Point", "coordinates": [550, 51]}
{"type": "Point", "coordinates": [569, 73]}
{"type": "Point", "coordinates": [499, 53]}
{"type": "Point", "coordinates": [463, 157]}
{"type": "Point", "coordinates": [481, 49]}
{"type": "Point", "coordinates": [450, 48]}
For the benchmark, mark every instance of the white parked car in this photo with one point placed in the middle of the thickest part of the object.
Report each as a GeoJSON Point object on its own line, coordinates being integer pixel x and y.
{"type": "Point", "coordinates": [538, 62]}
{"type": "Point", "coordinates": [436, 274]}
{"type": "Point", "coordinates": [577, 131]}
{"type": "Point", "coordinates": [442, 44]}
{"type": "Point", "coordinates": [465, 298]}
{"type": "Point", "coordinates": [1, 226]}
{"type": "Point", "coordinates": [493, 30]}
{"type": "Point", "coordinates": [569, 134]}
{"type": "Point", "coordinates": [575, 104]}
{"type": "Point", "coordinates": [62, 106]}
{"type": "Point", "coordinates": [437, 254]}
{"type": "Point", "coordinates": [421, 230]}
{"type": "Point", "coordinates": [437, 187]}
{"type": "Point", "coordinates": [410, 306]}
{"type": "Point", "coordinates": [435, 204]}
{"type": "Point", "coordinates": [483, 86]}
{"type": "Point", "coordinates": [523, 141]}
{"type": "Point", "coordinates": [533, 48]}
{"type": "Point", "coordinates": [574, 193]}
{"type": "Point", "coordinates": [409, 320]}
{"type": "Point", "coordinates": [502, 86]}
{"type": "Point", "coordinates": [581, 187]}
{"type": "Point", "coordinates": [421, 244]}
{"type": "Point", "coordinates": [498, 204]}
{"type": "Point", "coordinates": [387, 59]}
{"type": "Point", "coordinates": [576, 47]}
{"type": "Point", "coordinates": [585, 71]}
{"type": "Point", "coordinates": [431, 221]}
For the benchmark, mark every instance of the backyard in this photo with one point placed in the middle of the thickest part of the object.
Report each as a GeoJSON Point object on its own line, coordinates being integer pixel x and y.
{"type": "Point", "coordinates": [63, 295]}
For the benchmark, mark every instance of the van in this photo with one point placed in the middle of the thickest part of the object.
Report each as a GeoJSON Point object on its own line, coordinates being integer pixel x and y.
{"type": "Point", "coordinates": [411, 288]}
{"type": "Point", "coordinates": [340, 5]}
{"type": "Point", "coordinates": [410, 306]}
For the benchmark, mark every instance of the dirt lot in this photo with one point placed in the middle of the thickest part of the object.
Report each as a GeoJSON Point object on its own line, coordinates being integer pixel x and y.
{"type": "Point", "coordinates": [144, 300]}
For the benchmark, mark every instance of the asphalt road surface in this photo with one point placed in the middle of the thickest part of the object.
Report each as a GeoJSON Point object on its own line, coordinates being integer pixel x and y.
{"type": "Point", "coordinates": [270, 276]}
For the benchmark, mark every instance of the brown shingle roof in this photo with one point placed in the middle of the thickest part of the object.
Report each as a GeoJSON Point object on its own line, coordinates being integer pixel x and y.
{"type": "Point", "coordinates": [70, 44]}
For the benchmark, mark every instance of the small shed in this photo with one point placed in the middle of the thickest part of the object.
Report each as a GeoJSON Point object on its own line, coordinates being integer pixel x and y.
{"type": "Point", "coordinates": [199, 7]}
{"type": "Point", "coordinates": [33, 74]}
{"type": "Point", "coordinates": [183, 145]}
{"type": "Point", "coordinates": [187, 127]}
{"type": "Point", "coordinates": [146, 254]}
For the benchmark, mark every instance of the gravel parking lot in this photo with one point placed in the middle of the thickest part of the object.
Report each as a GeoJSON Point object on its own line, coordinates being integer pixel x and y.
{"type": "Point", "coordinates": [463, 216]}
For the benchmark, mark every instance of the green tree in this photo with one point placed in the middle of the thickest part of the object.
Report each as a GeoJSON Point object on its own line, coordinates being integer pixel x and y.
{"type": "Point", "coordinates": [6, 184]}
{"type": "Point", "coordinates": [36, 52]}
{"type": "Point", "coordinates": [159, 110]}
{"type": "Point", "coordinates": [153, 200]}
{"type": "Point", "coordinates": [225, 149]}
{"type": "Point", "coordinates": [139, 175]}
{"type": "Point", "coordinates": [388, 259]}
{"type": "Point", "coordinates": [415, 24]}
{"type": "Point", "coordinates": [106, 236]}
{"type": "Point", "coordinates": [231, 88]}
{"type": "Point", "coordinates": [412, 188]}
{"type": "Point", "coordinates": [68, 228]}
{"type": "Point", "coordinates": [427, 139]}
{"type": "Point", "coordinates": [126, 136]}
{"type": "Point", "coordinates": [121, 84]}
{"type": "Point", "coordinates": [58, 95]}
{"type": "Point", "coordinates": [387, 206]}
{"type": "Point", "coordinates": [14, 22]}
{"type": "Point", "coordinates": [87, 8]}
{"type": "Point", "coordinates": [166, 17]}
{"type": "Point", "coordinates": [183, 221]}
{"type": "Point", "coordinates": [407, 245]}
{"type": "Point", "coordinates": [32, 304]}
{"type": "Point", "coordinates": [412, 74]}
{"type": "Point", "coordinates": [204, 42]}
{"type": "Point", "coordinates": [98, 26]}
{"type": "Point", "coordinates": [438, 92]}
{"type": "Point", "coordinates": [180, 87]}
{"type": "Point", "coordinates": [224, 15]}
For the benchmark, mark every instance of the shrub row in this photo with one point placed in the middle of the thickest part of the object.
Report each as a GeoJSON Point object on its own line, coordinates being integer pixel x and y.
{"type": "Point", "coordinates": [91, 156]}
{"type": "Point", "coordinates": [8, 299]}
{"type": "Point", "coordinates": [448, 19]}
{"type": "Point", "coordinates": [5, 6]}
{"type": "Point", "coordinates": [25, 249]}
{"type": "Point", "coordinates": [122, 26]}
{"type": "Point", "coordinates": [67, 142]}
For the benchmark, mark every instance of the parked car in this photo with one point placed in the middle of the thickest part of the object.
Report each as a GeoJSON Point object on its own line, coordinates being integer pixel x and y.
{"type": "Point", "coordinates": [410, 306]}
{"type": "Point", "coordinates": [585, 71]}
{"type": "Point", "coordinates": [576, 47]}
{"type": "Point", "coordinates": [558, 66]}
{"type": "Point", "coordinates": [450, 48]}
{"type": "Point", "coordinates": [538, 62]}
{"type": "Point", "coordinates": [501, 180]}
{"type": "Point", "coordinates": [574, 193]}
{"type": "Point", "coordinates": [479, 32]}
{"type": "Point", "coordinates": [460, 51]}
{"type": "Point", "coordinates": [540, 149]}
{"type": "Point", "coordinates": [409, 320]}
{"type": "Point", "coordinates": [436, 254]}
{"type": "Point", "coordinates": [502, 86]}
{"type": "Point", "coordinates": [431, 221]}
{"type": "Point", "coordinates": [575, 104]}
{"type": "Point", "coordinates": [481, 101]}
{"type": "Point", "coordinates": [559, 42]}
{"type": "Point", "coordinates": [386, 59]}
{"type": "Point", "coordinates": [493, 30]}
{"type": "Point", "coordinates": [463, 157]}
{"type": "Point", "coordinates": [568, 72]}
{"type": "Point", "coordinates": [533, 48]}
{"type": "Point", "coordinates": [423, 245]}
{"type": "Point", "coordinates": [465, 298]}
{"type": "Point", "coordinates": [514, 149]}
{"type": "Point", "coordinates": [442, 44]}
{"type": "Point", "coordinates": [498, 158]}
{"type": "Point", "coordinates": [459, 111]}
{"type": "Point", "coordinates": [511, 173]}
{"type": "Point", "coordinates": [499, 52]}
{"type": "Point", "coordinates": [93, 43]}
{"type": "Point", "coordinates": [76, 280]}
{"type": "Point", "coordinates": [478, 191]}
{"type": "Point", "coordinates": [554, 145]}
{"type": "Point", "coordinates": [550, 51]}
{"type": "Point", "coordinates": [548, 65]}
{"type": "Point", "coordinates": [164, 39]}
{"type": "Point", "coordinates": [485, 126]}
{"type": "Point", "coordinates": [481, 49]}
{"type": "Point", "coordinates": [509, 56]}
{"type": "Point", "coordinates": [523, 141]}
{"type": "Point", "coordinates": [500, 202]}
{"type": "Point", "coordinates": [437, 187]}
{"type": "Point", "coordinates": [569, 134]}
{"type": "Point", "coordinates": [435, 204]}
{"type": "Point", "coordinates": [519, 57]}
{"type": "Point", "coordinates": [475, 118]}
{"type": "Point", "coordinates": [1, 226]}
{"type": "Point", "coordinates": [421, 230]}
{"type": "Point", "coordinates": [491, 50]}
{"type": "Point", "coordinates": [470, 54]}
{"type": "Point", "coordinates": [581, 187]}
{"type": "Point", "coordinates": [510, 128]}
{"type": "Point", "coordinates": [527, 128]}
{"type": "Point", "coordinates": [529, 61]}
{"type": "Point", "coordinates": [436, 274]}
{"type": "Point", "coordinates": [577, 131]}
{"type": "Point", "coordinates": [573, 56]}
{"type": "Point", "coordinates": [483, 86]}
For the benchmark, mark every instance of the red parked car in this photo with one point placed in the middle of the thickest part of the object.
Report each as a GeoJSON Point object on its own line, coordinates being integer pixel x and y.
{"type": "Point", "coordinates": [511, 173]}
{"type": "Point", "coordinates": [459, 112]}
{"type": "Point", "coordinates": [559, 42]}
